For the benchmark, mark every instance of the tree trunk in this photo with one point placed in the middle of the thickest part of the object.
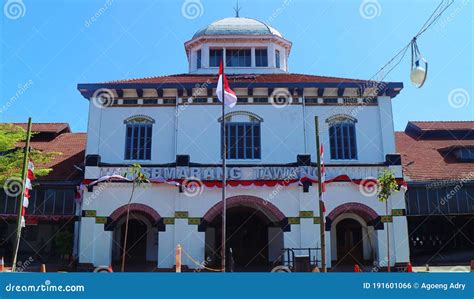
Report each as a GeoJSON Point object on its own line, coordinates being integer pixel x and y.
{"type": "Point", "coordinates": [388, 237]}
{"type": "Point", "coordinates": [122, 269]}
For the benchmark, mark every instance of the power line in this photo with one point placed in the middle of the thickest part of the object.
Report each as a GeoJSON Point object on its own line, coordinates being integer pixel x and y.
{"type": "Point", "coordinates": [398, 58]}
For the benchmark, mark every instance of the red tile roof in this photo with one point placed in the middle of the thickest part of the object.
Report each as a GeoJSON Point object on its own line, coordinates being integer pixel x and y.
{"type": "Point", "coordinates": [429, 159]}
{"type": "Point", "coordinates": [245, 78]}
{"type": "Point", "coordinates": [444, 125]}
{"type": "Point", "coordinates": [70, 145]}
{"type": "Point", "coordinates": [72, 148]}
{"type": "Point", "coordinates": [46, 127]}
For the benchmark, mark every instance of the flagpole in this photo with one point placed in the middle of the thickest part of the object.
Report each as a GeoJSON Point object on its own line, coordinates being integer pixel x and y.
{"type": "Point", "coordinates": [224, 181]}
{"type": "Point", "coordinates": [320, 197]}
{"type": "Point", "coordinates": [22, 194]}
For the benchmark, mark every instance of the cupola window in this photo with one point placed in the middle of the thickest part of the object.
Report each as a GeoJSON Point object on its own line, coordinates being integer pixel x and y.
{"type": "Point", "coordinates": [215, 57]}
{"type": "Point", "coordinates": [238, 58]}
{"type": "Point", "coordinates": [277, 59]}
{"type": "Point", "coordinates": [261, 58]}
{"type": "Point", "coordinates": [198, 59]}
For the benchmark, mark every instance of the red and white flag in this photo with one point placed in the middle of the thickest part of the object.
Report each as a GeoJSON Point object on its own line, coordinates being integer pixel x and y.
{"type": "Point", "coordinates": [323, 177]}
{"type": "Point", "coordinates": [230, 99]}
{"type": "Point", "coordinates": [26, 198]}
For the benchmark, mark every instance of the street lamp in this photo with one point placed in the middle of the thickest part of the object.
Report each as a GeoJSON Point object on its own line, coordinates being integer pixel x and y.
{"type": "Point", "coordinates": [419, 66]}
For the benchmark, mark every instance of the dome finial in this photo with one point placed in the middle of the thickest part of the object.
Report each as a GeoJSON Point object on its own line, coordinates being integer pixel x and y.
{"type": "Point", "coordinates": [237, 9]}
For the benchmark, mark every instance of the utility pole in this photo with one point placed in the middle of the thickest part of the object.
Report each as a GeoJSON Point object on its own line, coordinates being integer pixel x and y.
{"type": "Point", "coordinates": [320, 199]}
{"type": "Point", "coordinates": [224, 173]}
{"type": "Point", "coordinates": [22, 194]}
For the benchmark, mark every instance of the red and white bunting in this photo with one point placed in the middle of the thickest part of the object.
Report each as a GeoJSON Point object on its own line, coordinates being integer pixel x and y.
{"type": "Point", "coordinates": [323, 177]}
{"type": "Point", "coordinates": [26, 198]}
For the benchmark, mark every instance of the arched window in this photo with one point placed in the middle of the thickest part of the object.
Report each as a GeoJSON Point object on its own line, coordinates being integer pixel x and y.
{"type": "Point", "coordinates": [243, 135]}
{"type": "Point", "coordinates": [342, 137]}
{"type": "Point", "coordinates": [138, 137]}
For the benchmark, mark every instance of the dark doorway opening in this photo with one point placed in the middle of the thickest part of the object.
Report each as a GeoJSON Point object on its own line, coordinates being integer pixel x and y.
{"type": "Point", "coordinates": [136, 241]}
{"type": "Point", "coordinates": [247, 238]}
{"type": "Point", "coordinates": [349, 242]}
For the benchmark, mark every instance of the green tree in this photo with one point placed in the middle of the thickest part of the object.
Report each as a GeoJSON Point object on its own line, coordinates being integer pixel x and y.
{"type": "Point", "coordinates": [138, 178]}
{"type": "Point", "coordinates": [387, 184]}
{"type": "Point", "coordinates": [12, 140]}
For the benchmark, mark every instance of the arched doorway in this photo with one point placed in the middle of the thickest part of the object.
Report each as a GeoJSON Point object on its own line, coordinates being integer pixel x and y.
{"type": "Point", "coordinates": [349, 242]}
{"type": "Point", "coordinates": [353, 235]}
{"type": "Point", "coordinates": [139, 240]}
{"type": "Point", "coordinates": [254, 234]}
{"type": "Point", "coordinates": [142, 240]}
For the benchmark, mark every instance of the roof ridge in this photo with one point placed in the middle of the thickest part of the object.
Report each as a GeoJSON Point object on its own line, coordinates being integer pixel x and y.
{"type": "Point", "coordinates": [230, 74]}
{"type": "Point", "coordinates": [440, 121]}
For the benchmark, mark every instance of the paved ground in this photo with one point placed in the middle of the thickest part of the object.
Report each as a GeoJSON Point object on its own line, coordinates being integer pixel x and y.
{"type": "Point", "coordinates": [438, 269]}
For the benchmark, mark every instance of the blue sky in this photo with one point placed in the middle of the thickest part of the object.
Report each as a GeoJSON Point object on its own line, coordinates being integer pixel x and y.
{"type": "Point", "coordinates": [48, 47]}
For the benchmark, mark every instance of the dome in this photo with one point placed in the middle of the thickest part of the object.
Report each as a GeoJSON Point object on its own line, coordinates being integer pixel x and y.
{"type": "Point", "coordinates": [237, 26]}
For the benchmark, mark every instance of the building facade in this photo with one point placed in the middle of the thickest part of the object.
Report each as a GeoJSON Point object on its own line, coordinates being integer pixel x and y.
{"type": "Point", "coordinates": [170, 125]}
{"type": "Point", "coordinates": [438, 162]}
{"type": "Point", "coordinates": [51, 214]}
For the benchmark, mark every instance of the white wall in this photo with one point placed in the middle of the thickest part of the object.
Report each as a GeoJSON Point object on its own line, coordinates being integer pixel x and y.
{"type": "Point", "coordinates": [96, 244]}
{"type": "Point", "coordinates": [199, 132]}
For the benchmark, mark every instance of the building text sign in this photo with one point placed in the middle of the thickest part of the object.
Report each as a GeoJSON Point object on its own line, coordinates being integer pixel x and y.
{"type": "Point", "coordinates": [215, 173]}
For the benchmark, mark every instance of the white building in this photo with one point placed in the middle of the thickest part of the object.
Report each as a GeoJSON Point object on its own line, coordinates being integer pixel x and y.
{"type": "Point", "coordinates": [171, 126]}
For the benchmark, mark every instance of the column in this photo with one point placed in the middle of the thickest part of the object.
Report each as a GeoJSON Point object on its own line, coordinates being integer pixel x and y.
{"type": "Point", "coordinates": [192, 241]}
{"type": "Point", "coordinates": [386, 125]}
{"type": "Point", "coordinates": [382, 257]}
{"type": "Point", "coordinates": [400, 229]}
{"type": "Point", "coordinates": [327, 237]}
{"type": "Point", "coordinates": [86, 244]}
{"type": "Point", "coordinates": [166, 248]}
{"type": "Point", "coordinates": [102, 246]}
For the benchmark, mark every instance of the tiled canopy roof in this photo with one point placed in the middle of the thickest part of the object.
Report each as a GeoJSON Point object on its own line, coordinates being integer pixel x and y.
{"type": "Point", "coordinates": [71, 147]}
{"type": "Point", "coordinates": [241, 78]}
{"type": "Point", "coordinates": [46, 127]}
{"type": "Point", "coordinates": [430, 159]}
{"type": "Point", "coordinates": [444, 125]}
